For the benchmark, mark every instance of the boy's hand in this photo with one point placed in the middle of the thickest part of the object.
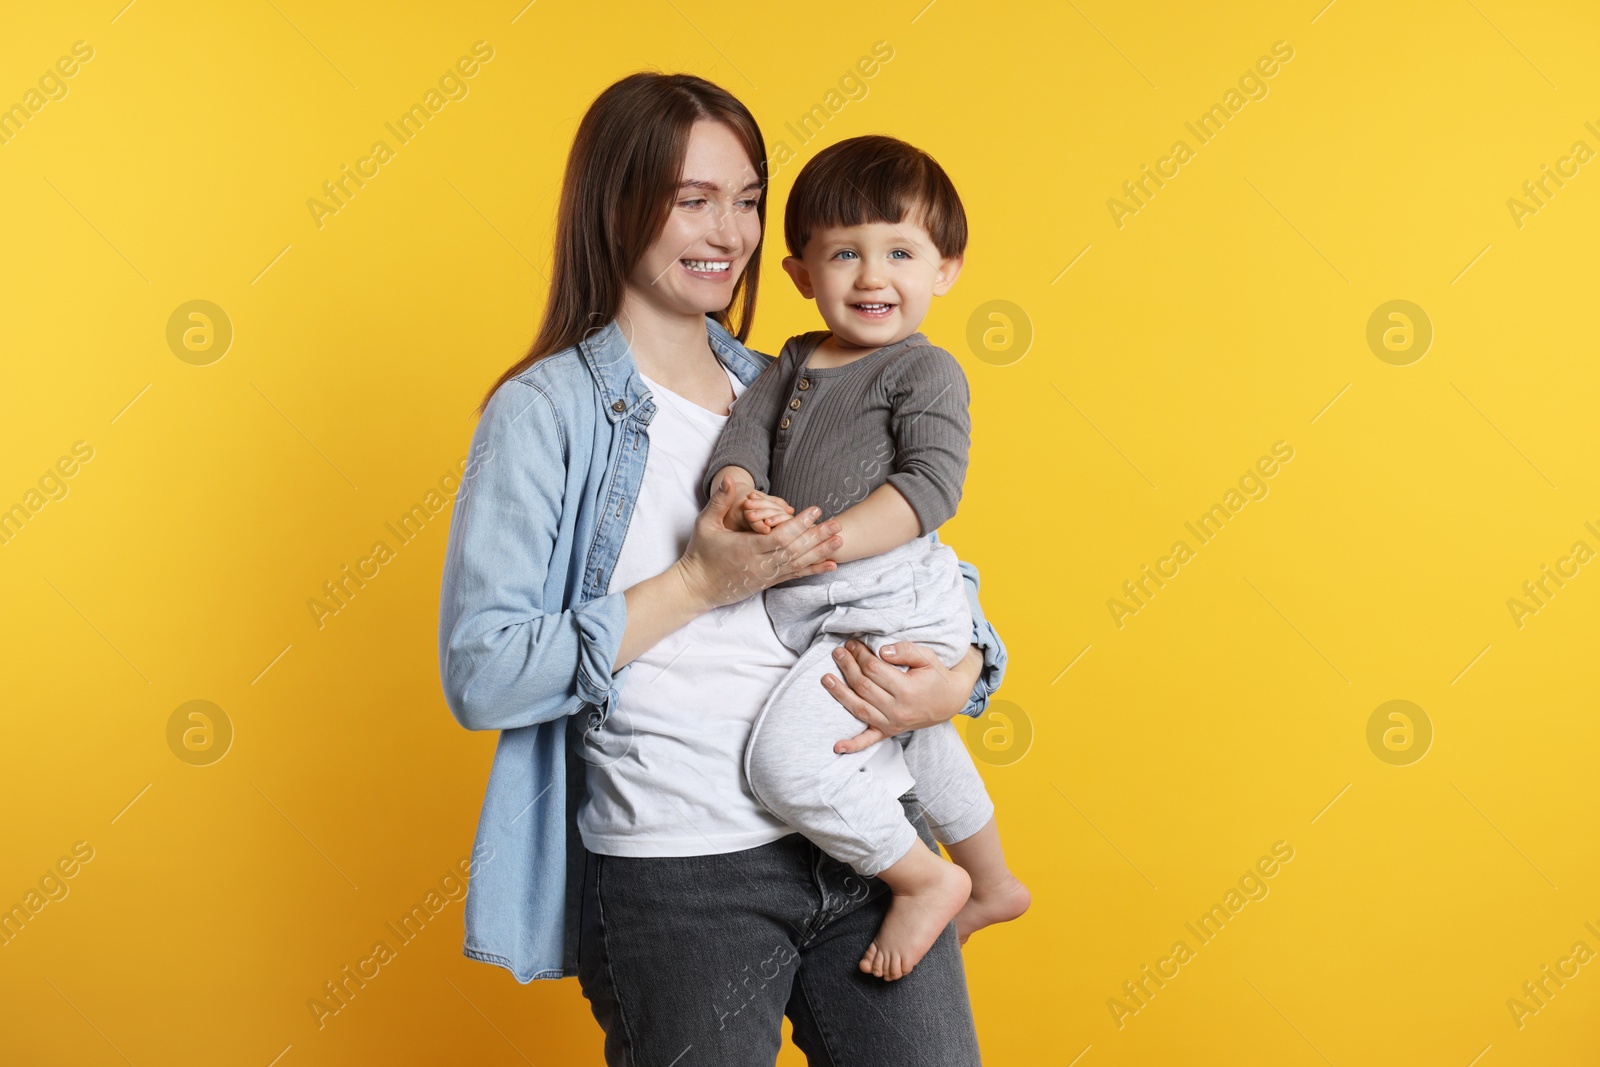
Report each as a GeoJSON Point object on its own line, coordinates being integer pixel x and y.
{"type": "Point", "coordinates": [762, 511]}
{"type": "Point", "coordinates": [736, 518]}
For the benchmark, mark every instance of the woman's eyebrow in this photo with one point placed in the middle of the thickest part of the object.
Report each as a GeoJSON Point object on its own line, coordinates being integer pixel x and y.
{"type": "Point", "coordinates": [700, 183]}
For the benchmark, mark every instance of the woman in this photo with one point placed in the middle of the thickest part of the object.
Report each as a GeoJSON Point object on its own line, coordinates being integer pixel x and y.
{"type": "Point", "coordinates": [623, 845]}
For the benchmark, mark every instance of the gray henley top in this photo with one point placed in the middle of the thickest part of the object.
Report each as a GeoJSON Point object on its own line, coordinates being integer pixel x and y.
{"type": "Point", "coordinates": [828, 436]}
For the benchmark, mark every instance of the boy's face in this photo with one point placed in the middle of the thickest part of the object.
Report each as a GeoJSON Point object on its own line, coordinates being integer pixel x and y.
{"type": "Point", "coordinates": [872, 283]}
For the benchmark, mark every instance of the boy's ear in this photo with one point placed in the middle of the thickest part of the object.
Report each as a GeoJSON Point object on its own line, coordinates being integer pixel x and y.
{"type": "Point", "coordinates": [795, 267]}
{"type": "Point", "coordinates": [949, 269]}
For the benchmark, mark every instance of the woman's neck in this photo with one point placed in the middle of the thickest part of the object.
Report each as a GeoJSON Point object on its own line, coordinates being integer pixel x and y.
{"type": "Point", "coordinates": [671, 349]}
{"type": "Point", "coordinates": [663, 342]}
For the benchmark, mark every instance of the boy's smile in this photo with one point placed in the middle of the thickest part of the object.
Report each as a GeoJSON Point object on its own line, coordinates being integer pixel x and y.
{"type": "Point", "coordinates": [872, 283]}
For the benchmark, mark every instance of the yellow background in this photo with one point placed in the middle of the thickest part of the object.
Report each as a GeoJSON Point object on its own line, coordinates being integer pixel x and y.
{"type": "Point", "coordinates": [1228, 314]}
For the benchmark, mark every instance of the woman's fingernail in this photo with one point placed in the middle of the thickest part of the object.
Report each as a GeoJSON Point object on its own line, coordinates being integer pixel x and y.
{"type": "Point", "coordinates": [889, 649]}
{"type": "Point", "coordinates": [827, 680]}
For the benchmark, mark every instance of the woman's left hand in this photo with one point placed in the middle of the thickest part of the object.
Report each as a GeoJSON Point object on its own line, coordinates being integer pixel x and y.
{"type": "Point", "coordinates": [890, 700]}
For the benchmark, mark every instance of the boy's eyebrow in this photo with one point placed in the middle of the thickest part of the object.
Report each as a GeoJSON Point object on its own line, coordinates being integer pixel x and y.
{"type": "Point", "coordinates": [837, 237]}
{"type": "Point", "coordinates": [700, 183]}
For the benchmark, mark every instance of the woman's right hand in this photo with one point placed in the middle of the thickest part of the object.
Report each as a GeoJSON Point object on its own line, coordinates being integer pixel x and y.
{"type": "Point", "coordinates": [724, 565]}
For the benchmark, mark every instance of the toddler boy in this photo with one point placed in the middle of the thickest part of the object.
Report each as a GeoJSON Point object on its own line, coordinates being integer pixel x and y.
{"type": "Point", "coordinates": [868, 421]}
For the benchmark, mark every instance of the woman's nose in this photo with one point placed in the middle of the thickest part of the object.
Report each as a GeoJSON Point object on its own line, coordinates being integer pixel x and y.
{"type": "Point", "coordinates": [725, 235]}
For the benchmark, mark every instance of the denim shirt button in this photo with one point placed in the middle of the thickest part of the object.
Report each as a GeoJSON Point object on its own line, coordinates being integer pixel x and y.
{"type": "Point", "coordinates": [620, 405]}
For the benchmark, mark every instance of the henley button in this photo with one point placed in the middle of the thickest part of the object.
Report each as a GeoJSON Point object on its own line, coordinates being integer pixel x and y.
{"type": "Point", "coordinates": [805, 383]}
{"type": "Point", "coordinates": [619, 405]}
{"type": "Point", "coordinates": [784, 425]}
{"type": "Point", "coordinates": [794, 405]}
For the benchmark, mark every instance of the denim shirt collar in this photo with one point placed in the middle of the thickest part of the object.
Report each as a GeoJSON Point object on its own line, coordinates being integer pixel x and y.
{"type": "Point", "coordinates": [622, 390]}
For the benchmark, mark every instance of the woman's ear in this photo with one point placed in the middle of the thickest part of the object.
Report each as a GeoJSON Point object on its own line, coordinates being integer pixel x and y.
{"type": "Point", "coordinates": [949, 269]}
{"type": "Point", "coordinates": [795, 267]}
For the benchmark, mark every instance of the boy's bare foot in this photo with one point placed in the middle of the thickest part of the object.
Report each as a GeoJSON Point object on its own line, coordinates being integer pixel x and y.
{"type": "Point", "coordinates": [998, 902]}
{"type": "Point", "coordinates": [917, 916]}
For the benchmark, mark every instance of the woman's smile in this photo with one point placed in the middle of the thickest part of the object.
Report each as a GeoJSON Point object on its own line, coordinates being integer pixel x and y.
{"type": "Point", "coordinates": [715, 270]}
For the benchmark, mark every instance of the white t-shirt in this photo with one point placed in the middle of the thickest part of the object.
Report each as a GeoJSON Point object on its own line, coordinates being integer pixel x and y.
{"type": "Point", "coordinates": [665, 774]}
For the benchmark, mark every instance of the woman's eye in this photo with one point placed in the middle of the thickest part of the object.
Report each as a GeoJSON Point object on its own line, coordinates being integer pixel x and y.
{"type": "Point", "coordinates": [749, 204]}
{"type": "Point", "coordinates": [691, 203]}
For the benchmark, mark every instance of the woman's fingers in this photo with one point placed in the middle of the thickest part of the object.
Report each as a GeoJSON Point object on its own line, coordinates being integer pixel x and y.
{"type": "Point", "coordinates": [851, 701]}
{"type": "Point", "coordinates": [870, 736]}
{"type": "Point", "coordinates": [797, 526]}
{"type": "Point", "coordinates": [907, 654]}
{"type": "Point", "coordinates": [871, 693]}
{"type": "Point", "coordinates": [873, 671]}
{"type": "Point", "coordinates": [800, 545]}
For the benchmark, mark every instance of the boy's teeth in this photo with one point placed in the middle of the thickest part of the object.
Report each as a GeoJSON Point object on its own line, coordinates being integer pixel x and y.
{"type": "Point", "coordinates": [707, 264]}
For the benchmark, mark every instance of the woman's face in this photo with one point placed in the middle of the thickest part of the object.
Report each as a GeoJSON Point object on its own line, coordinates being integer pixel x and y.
{"type": "Point", "coordinates": [711, 232]}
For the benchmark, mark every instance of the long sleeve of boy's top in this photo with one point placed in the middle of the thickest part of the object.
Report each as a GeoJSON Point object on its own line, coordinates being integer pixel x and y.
{"type": "Point", "coordinates": [932, 428]}
{"type": "Point", "coordinates": [746, 439]}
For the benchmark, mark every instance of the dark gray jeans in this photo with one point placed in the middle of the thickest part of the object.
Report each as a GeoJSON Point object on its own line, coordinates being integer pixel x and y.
{"type": "Point", "coordinates": [693, 961]}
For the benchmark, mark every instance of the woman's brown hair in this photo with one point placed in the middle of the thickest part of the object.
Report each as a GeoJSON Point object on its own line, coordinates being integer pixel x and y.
{"type": "Point", "coordinates": [621, 179]}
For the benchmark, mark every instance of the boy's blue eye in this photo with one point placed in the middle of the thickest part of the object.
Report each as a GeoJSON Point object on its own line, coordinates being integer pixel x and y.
{"type": "Point", "coordinates": [843, 252]}
{"type": "Point", "coordinates": [901, 252]}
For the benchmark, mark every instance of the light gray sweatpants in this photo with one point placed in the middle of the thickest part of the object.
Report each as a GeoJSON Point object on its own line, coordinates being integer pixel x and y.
{"type": "Point", "coordinates": [914, 592]}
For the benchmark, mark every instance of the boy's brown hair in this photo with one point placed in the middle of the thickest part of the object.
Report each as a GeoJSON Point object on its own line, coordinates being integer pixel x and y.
{"type": "Point", "coordinates": [874, 179]}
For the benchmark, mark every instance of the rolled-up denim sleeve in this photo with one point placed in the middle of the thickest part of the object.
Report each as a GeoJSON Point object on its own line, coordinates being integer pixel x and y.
{"type": "Point", "coordinates": [504, 661]}
{"type": "Point", "coordinates": [987, 638]}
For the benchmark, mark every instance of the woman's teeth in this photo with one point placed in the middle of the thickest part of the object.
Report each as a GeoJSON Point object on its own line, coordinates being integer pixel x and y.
{"type": "Point", "coordinates": [714, 266]}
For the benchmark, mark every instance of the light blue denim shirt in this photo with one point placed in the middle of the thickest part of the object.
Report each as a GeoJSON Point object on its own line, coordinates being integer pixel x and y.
{"type": "Point", "coordinates": [528, 633]}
